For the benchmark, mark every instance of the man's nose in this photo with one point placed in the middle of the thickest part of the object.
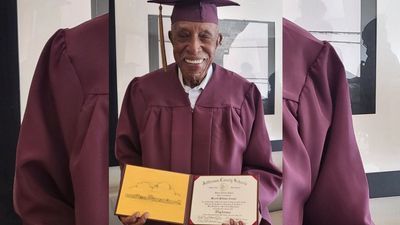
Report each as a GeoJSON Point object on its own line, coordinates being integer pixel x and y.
{"type": "Point", "coordinates": [194, 46]}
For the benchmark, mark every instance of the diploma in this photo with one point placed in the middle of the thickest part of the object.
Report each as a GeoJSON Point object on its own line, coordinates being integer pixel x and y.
{"type": "Point", "coordinates": [187, 199]}
{"type": "Point", "coordinates": [216, 199]}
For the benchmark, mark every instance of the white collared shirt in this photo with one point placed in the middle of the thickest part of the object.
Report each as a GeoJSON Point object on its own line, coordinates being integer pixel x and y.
{"type": "Point", "coordinates": [194, 93]}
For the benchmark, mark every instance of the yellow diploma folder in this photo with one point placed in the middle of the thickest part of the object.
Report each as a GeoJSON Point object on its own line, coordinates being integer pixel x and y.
{"type": "Point", "coordinates": [188, 199]}
{"type": "Point", "coordinates": [163, 194]}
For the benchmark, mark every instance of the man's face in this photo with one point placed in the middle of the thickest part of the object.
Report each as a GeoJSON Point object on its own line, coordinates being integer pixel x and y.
{"type": "Point", "coordinates": [194, 46]}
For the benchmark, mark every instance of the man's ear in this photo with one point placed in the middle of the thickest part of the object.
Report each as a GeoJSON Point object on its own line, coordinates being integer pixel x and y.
{"type": "Point", "coordinates": [170, 37]}
{"type": "Point", "coordinates": [219, 41]}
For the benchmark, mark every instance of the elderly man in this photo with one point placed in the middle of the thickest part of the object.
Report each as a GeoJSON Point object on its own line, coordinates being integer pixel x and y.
{"type": "Point", "coordinates": [196, 117]}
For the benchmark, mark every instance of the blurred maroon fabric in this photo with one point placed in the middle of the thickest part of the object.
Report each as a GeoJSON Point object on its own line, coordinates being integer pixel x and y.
{"type": "Point", "coordinates": [324, 182]}
{"type": "Point", "coordinates": [62, 155]}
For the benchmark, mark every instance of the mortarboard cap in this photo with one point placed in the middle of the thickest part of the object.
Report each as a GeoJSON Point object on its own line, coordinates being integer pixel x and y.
{"type": "Point", "coordinates": [195, 10]}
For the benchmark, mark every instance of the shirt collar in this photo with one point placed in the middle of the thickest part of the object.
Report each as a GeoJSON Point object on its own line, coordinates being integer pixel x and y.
{"type": "Point", "coordinates": [203, 83]}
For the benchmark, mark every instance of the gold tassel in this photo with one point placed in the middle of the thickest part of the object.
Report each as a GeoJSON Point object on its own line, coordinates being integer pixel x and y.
{"type": "Point", "coordinates": [162, 44]}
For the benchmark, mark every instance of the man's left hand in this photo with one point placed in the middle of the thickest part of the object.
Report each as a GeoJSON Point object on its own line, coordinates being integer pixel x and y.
{"type": "Point", "coordinates": [233, 222]}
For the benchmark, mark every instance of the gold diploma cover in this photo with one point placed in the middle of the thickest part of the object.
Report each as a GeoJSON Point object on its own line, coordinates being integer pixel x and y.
{"type": "Point", "coordinates": [161, 193]}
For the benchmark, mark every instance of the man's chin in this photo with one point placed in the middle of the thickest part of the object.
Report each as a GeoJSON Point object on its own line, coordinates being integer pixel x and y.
{"type": "Point", "coordinates": [193, 70]}
{"type": "Point", "coordinates": [193, 75]}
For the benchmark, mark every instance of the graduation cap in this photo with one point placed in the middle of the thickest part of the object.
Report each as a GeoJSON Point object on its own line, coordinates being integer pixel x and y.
{"type": "Point", "coordinates": [195, 10]}
{"type": "Point", "coordinates": [189, 10]}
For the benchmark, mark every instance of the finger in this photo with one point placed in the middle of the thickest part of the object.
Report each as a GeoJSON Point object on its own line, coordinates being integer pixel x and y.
{"type": "Point", "coordinates": [232, 222]}
{"type": "Point", "coordinates": [124, 219]}
{"type": "Point", "coordinates": [142, 219]}
{"type": "Point", "coordinates": [121, 219]}
{"type": "Point", "coordinates": [130, 219]}
{"type": "Point", "coordinates": [241, 223]}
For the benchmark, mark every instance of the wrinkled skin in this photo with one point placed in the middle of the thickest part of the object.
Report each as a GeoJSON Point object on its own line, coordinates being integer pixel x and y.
{"type": "Point", "coordinates": [194, 46]}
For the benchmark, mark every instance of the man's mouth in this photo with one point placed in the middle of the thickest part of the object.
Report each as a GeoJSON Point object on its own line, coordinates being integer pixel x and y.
{"type": "Point", "coordinates": [194, 61]}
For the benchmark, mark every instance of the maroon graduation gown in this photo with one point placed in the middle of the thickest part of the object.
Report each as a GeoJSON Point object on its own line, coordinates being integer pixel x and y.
{"type": "Point", "coordinates": [62, 155]}
{"type": "Point", "coordinates": [225, 133]}
{"type": "Point", "coordinates": [324, 181]}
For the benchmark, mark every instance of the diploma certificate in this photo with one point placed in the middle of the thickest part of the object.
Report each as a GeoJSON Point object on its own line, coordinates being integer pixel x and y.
{"type": "Point", "coordinates": [216, 199]}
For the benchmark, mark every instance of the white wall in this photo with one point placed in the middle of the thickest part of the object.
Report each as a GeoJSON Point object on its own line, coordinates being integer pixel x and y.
{"type": "Point", "coordinates": [37, 21]}
{"type": "Point", "coordinates": [379, 136]}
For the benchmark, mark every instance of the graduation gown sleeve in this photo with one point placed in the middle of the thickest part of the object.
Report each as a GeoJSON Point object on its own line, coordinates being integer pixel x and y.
{"type": "Point", "coordinates": [257, 157]}
{"type": "Point", "coordinates": [128, 148]}
{"type": "Point", "coordinates": [62, 153]}
{"type": "Point", "coordinates": [324, 179]}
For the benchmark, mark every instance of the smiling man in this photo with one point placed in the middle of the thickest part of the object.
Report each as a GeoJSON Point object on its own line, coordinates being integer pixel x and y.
{"type": "Point", "coordinates": [194, 46]}
{"type": "Point", "coordinates": [194, 116]}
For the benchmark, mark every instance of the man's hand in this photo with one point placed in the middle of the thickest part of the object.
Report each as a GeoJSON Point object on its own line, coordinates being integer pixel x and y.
{"type": "Point", "coordinates": [233, 222]}
{"type": "Point", "coordinates": [135, 219]}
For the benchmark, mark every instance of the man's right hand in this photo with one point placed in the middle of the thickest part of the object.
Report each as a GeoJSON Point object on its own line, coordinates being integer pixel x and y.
{"type": "Point", "coordinates": [135, 219]}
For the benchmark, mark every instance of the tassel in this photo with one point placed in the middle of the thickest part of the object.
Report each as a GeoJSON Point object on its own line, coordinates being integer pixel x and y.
{"type": "Point", "coordinates": [162, 44]}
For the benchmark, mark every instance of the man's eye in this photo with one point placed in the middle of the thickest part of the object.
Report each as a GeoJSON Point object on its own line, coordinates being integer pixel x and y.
{"type": "Point", "coordinates": [183, 35]}
{"type": "Point", "coordinates": [205, 35]}
{"type": "Point", "coordinates": [205, 38]}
